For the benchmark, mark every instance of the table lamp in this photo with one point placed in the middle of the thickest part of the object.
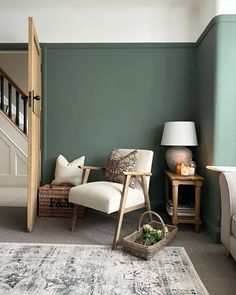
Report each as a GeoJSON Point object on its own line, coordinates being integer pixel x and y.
{"type": "Point", "coordinates": [179, 134]}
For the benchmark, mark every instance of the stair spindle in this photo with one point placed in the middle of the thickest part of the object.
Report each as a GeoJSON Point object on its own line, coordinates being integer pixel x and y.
{"type": "Point", "coordinates": [17, 109]}
{"type": "Point", "coordinates": [9, 100]}
{"type": "Point", "coordinates": [2, 93]}
{"type": "Point", "coordinates": [25, 101]}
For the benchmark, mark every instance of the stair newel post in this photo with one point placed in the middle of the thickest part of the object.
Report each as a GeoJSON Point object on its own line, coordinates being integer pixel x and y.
{"type": "Point", "coordinates": [2, 92]}
{"type": "Point", "coordinates": [25, 102]}
{"type": "Point", "coordinates": [17, 109]}
{"type": "Point", "coordinates": [9, 100]}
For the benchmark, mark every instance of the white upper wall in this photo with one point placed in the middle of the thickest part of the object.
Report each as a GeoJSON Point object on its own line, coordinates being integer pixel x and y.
{"type": "Point", "coordinates": [226, 7]}
{"type": "Point", "coordinates": [207, 10]}
{"type": "Point", "coordinates": [72, 21]}
{"type": "Point", "coordinates": [210, 8]}
{"type": "Point", "coordinates": [15, 64]}
{"type": "Point", "coordinates": [99, 20]}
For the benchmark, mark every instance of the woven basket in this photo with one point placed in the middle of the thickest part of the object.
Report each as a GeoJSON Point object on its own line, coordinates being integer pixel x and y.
{"type": "Point", "coordinates": [130, 243]}
{"type": "Point", "coordinates": [53, 201]}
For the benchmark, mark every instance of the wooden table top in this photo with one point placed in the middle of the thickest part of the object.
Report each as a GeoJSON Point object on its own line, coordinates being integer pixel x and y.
{"type": "Point", "coordinates": [174, 176]}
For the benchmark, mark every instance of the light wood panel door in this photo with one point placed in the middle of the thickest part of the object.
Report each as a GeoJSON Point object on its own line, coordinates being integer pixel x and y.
{"type": "Point", "coordinates": [34, 114]}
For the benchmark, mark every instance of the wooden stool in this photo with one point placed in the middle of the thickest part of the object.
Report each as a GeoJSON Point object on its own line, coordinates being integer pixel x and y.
{"type": "Point", "coordinates": [177, 180]}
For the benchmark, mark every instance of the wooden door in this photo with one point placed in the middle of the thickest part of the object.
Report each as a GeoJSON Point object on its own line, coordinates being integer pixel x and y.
{"type": "Point", "coordinates": [34, 114]}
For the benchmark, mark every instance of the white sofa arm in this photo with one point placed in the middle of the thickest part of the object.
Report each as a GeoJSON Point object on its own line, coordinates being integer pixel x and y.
{"type": "Point", "coordinates": [228, 204]}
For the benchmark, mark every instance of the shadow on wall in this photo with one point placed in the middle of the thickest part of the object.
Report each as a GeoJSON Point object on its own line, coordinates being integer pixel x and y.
{"type": "Point", "coordinates": [205, 119]}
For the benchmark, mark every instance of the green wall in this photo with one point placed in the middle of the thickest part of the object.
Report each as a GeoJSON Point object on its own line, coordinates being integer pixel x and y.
{"type": "Point", "coordinates": [97, 97]}
{"type": "Point", "coordinates": [225, 131]}
{"type": "Point", "coordinates": [216, 106]}
{"type": "Point", "coordinates": [205, 122]}
{"type": "Point", "coordinates": [101, 96]}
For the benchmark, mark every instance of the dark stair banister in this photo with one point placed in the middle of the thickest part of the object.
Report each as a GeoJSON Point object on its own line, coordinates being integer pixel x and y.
{"type": "Point", "coordinates": [25, 102]}
{"type": "Point", "coordinates": [20, 97]}
{"type": "Point", "coordinates": [2, 93]}
{"type": "Point", "coordinates": [17, 109]}
{"type": "Point", "coordinates": [9, 100]}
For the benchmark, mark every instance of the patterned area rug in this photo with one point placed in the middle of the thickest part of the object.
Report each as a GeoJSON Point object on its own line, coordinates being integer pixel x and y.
{"type": "Point", "coordinates": [86, 270]}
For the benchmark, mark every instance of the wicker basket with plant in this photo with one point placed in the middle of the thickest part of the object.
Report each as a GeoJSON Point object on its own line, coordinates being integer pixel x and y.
{"type": "Point", "coordinates": [150, 238]}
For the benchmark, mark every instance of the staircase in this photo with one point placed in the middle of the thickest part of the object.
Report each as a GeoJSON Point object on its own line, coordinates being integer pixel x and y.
{"type": "Point", "coordinates": [13, 101]}
{"type": "Point", "coordinates": [13, 143]}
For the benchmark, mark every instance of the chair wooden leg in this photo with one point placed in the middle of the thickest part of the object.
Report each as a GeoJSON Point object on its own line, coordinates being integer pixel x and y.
{"type": "Point", "coordinates": [121, 211]}
{"type": "Point", "coordinates": [146, 195]}
{"type": "Point", "coordinates": [118, 229]}
{"type": "Point", "coordinates": [74, 218]}
{"type": "Point", "coordinates": [76, 207]}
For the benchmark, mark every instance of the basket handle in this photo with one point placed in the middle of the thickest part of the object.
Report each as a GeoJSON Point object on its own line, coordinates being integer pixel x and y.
{"type": "Point", "coordinates": [153, 213]}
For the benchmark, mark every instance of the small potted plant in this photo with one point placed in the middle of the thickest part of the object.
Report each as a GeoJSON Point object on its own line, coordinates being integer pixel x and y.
{"type": "Point", "coordinates": [151, 235]}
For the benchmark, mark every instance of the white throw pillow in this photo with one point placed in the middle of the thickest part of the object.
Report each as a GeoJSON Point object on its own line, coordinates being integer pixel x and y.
{"type": "Point", "coordinates": [68, 172]}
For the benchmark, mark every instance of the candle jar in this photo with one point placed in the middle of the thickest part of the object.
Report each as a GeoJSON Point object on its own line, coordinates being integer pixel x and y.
{"type": "Point", "coordinates": [184, 169]}
{"type": "Point", "coordinates": [178, 169]}
{"type": "Point", "coordinates": [192, 167]}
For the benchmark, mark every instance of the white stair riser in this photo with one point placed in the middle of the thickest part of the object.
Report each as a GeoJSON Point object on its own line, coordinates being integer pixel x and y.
{"type": "Point", "coordinates": [13, 154]}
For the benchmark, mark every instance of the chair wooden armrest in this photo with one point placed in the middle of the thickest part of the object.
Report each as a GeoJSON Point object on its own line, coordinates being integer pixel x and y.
{"type": "Point", "coordinates": [87, 170]}
{"type": "Point", "coordinates": [133, 173]}
{"type": "Point", "coordinates": [92, 168]}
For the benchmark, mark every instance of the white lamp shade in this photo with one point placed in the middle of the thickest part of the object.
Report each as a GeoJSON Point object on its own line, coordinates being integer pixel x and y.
{"type": "Point", "coordinates": [179, 133]}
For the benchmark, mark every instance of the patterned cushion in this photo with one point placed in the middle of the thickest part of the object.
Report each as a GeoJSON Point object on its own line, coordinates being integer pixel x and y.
{"type": "Point", "coordinates": [117, 164]}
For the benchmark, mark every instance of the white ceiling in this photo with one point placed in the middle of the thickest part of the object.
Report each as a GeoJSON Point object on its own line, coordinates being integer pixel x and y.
{"type": "Point", "coordinates": [61, 21]}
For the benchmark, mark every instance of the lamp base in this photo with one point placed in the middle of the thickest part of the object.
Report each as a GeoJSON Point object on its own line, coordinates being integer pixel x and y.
{"type": "Point", "coordinates": [177, 154]}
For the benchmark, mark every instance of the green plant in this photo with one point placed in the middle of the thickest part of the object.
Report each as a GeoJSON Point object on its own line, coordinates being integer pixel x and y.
{"type": "Point", "coordinates": [151, 235]}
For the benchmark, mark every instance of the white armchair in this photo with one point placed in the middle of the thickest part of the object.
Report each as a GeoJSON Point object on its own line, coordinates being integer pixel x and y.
{"type": "Point", "coordinates": [109, 197]}
{"type": "Point", "coordinates": [228, 208]}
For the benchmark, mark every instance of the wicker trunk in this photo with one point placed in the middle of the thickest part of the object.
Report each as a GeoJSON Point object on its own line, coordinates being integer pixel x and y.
{"type": "Point", "coordinates": [53, 201]}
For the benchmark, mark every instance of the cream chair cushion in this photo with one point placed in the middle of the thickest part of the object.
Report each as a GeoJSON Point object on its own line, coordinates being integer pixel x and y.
{"type": "Point", "coordinates": [104, 196]}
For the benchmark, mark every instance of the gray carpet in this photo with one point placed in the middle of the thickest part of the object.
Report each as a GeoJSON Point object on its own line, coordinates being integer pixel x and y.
{"type": "Point", "coordinates": [215, 268]}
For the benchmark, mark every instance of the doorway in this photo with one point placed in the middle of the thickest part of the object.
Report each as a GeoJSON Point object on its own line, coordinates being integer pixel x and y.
{"type": "Point", "coordinates": [13, 133]}
{"type": "Point", "coordinates": [20, 128]}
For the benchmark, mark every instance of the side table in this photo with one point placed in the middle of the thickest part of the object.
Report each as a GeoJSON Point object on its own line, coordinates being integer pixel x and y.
{"type": "Point", "coordinates": [177, 180]}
